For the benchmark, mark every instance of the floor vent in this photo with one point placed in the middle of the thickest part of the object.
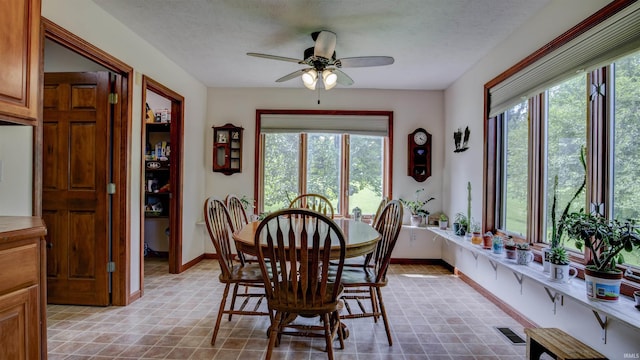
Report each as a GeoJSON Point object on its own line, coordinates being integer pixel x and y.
{"type": "Point", "coordinates": [513, 337]}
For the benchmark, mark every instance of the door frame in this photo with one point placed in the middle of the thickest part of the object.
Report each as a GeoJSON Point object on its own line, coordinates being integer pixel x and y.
{"type": "Point", "coordinates": [175, 205]}
{"type": "Point", "coordinates": [121, 204]}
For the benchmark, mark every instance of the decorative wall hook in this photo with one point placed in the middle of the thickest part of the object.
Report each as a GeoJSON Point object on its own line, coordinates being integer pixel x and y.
{"type": "Point", "coordinates": [461, 144]}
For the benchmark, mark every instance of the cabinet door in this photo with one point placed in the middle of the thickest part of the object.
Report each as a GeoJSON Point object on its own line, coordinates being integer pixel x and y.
{"type": "Point", "coordinates": [19, 325]}
{"type": "Point", "coordinates": [20, 61]}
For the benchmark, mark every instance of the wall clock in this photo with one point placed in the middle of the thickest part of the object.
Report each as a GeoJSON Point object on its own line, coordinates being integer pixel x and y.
{"type": "Point", "coordinates": [419, 155]}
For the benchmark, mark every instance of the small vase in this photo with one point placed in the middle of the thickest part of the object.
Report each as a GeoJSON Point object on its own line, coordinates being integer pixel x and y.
{"type": "Point", "coordinates": [487, 242]}
{"type": "Point", "coordinates": [510, 251]}
{"type": "Point", "coordinates": [443, 224]}
{"type": "Point", "coordinates": [476, 238]}
{"type": "Point", "coordinates": [545, 259]}
{"type": "Point", "coordinates": [416, 220]}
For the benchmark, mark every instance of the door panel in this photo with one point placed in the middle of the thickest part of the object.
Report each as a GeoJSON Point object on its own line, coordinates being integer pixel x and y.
{"type": "Point", "coordinates": [75, 177]}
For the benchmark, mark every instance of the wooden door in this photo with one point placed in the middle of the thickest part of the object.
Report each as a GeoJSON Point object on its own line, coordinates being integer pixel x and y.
{"type": "Point", "coordinates": [75, 203]}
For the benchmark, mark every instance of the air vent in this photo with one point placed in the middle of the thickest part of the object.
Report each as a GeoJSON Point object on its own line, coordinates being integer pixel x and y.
{"type": "Point", "coordinates": [513, 337]}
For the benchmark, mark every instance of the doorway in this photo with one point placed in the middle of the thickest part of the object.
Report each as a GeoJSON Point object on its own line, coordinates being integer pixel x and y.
{"type": "Point", "coordinates": [162, 136]}
{"type": "Point", "coordinates": [115, 228]}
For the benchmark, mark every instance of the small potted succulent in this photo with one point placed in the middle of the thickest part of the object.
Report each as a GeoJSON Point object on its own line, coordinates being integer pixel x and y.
{"type": "Point", "coordinates": [523, 253]}
{"type": "Point", "coordinates": [443, 222]}
{"type": "Point", "coordinates": [497, 244]}
{"type": "Point", "coordinates": [559, 265]}
{"type": "Point", "coordinates": [510, 248]}
{"type": "Point", "coordinates": [476, 233]}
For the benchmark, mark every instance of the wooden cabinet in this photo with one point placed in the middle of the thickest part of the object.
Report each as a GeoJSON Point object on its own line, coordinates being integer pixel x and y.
{"type": "Point", "coordinates": [22, 288]}
{"type": "Point", "coordinates": [20, 61]}
{"type": "Point", "coordinates": [227, 149]}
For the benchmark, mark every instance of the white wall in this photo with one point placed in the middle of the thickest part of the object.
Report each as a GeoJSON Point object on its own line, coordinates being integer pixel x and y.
{"type": "Point", "coordinates": [464, 106]}
{"type": "Point", "coordinates": [88, 21]}
{"type": "Point", "coordinates": [412, 109]}
{"type": "Point", "coordinates": [15, 178]}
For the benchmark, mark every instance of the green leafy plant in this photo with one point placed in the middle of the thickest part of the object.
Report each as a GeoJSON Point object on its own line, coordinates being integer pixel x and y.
{"type": "Point", "coordinates": [417, 205]}
{"type": "Point", "coordinates": [247, 202]}
{"type": "Point", "coordinates": [461, 219]}
{"type": "Point", "coordinates": [443, 217]}
{"type": "Point", "coordinates": [605, 239]}
{"type": "Point", "coordinates": [557, 227]}
{"type": "Point", "coordinates": [559, 256]}
{"type": "Point", "coordinates": [522, 245]}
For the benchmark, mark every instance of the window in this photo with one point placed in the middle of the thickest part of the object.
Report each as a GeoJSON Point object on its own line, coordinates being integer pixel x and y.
{"type": "Point", "coordinates": [626, 159]}
{"type": "Point", "coordinates": [597, 110]}
{"type": "Point", "coordinates": [342, 156]}
{"type": "Point", "coordinates": [566, 136]}
{"type": "Point", "coordinates": [516, 150]}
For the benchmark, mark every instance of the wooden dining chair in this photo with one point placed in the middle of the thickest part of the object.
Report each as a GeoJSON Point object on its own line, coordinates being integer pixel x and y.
{"type": "Point", "coordinates": [239, 219]}
{"type": "Point", "coordinates": [315, 202]}
{"type": "Point", "coordinates": [233, 273]}
{"type": "Point", "coordinates": [383, 203]}
{"type": "Point", "coordinates": [362, 283]}
{"type": "Point", "coordinates": [294, 249]}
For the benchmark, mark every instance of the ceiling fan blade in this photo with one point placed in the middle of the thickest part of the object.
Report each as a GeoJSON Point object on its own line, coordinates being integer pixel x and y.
{"type": "Point", "coordinates": [364, 61]}
{"type": "Point", "coordinates": [343, 79]}
{"type": "Point", "coordinates": [292, 75]}
{"type": "Point", "coordinates": [325, 44]}
{"type": "Point", "coordinates": [275, 57]}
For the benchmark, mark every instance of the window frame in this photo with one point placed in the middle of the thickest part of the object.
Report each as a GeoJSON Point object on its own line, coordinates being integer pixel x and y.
{"type": "Point", "coordinates": [387, 165]}
{"type": "Point", "coordinates": [599, 146]}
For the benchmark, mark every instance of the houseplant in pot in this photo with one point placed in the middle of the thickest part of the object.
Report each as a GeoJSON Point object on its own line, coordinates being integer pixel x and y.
{"type": "Point", "coordinates": [416, 207]}
{"type": "Point", "coordinates": [559, 268]}
{"type": "Point", "coordinates": [510, 248]}
{"type": "Point", "coordinates": [460, 224]}
{"type": "Point", "coordinates": [443, 222]}
{"type": "Point", "coordinates": [523, 253]}
{"type": "Point", "coordinates": [606, 240]}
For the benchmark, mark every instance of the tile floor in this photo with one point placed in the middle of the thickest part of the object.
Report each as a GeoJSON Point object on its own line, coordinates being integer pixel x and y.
{"type": "Point", "coordinates": [433, 315]}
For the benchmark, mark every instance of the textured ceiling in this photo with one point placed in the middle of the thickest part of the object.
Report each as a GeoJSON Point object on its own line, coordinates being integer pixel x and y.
{"type": "Point", "coordinates": [433, 41]}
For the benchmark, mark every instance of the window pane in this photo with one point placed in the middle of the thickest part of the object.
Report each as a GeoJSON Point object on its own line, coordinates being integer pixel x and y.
{"type": "Point", "coordinates": [626, 173]}
{"type": "Point", "coordinates": [280, 170]}
{"type": "Point", "coordinates": [365, 172]}
{"type": "Point", "coordinates": [323, 166]}
{"type": "Point", "coordinates": [514, 207]}
{"type": "Point", "coordinates": [566, 135]}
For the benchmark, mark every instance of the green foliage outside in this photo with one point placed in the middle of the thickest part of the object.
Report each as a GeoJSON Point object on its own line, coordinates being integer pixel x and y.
{"type": "Point", "coordinates": [323, 170]}
{"type": "Point", "coordinates": [517, 152]}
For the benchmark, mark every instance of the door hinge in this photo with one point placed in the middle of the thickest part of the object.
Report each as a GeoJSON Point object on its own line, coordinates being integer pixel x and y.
{"type": "Point", "coordinates": [111, 267]}
{"type": "Point", "coordinates": [113, 98]}
{"type": "Point", "coordinates": [111, 188]}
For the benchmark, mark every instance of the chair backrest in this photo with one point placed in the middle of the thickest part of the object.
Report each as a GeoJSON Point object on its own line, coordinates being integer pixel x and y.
{"type": "Point", "coordinates": [388, 225]}
{"type": "Point", "coordinates": [218, 223]}
{"type": "Point", "coordinates": [383, 203]}
{"type": "Point", "coordinates": [297, 244]}
{"type": "Point", "coordinates": [236, 211]}
{"type": "Point", "coordinates": [315, 202]}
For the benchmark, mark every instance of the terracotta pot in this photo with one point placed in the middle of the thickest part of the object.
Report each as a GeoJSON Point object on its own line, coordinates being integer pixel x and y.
{"type": "Point", "coordinates": [510, 251]}
{"type": "Point", "coordinates": [487, 242]}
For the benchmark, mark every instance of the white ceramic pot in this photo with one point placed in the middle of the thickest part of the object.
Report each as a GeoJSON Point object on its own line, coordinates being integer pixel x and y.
{"type": "Point", "coordinates": [561, 273]}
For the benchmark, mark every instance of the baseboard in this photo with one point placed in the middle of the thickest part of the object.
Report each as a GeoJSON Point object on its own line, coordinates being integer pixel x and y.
{"type": "Point", "coordinates": [523, 320]}
{"type": "Point", "coordinates": [191, 263]}
{"type": "Point", "coordinates": [133, 297]}
{"type": "Point", "coordinates": [405, 261]}
{"type": "Point", "coordinates": [210, 256]}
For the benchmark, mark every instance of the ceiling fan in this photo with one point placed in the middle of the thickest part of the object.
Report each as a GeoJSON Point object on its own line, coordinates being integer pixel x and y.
{"type": "Point", "coordinates": [322, 62]}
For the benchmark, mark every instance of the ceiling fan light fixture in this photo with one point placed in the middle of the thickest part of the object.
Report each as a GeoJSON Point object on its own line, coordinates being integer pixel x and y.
{"type": "Point", "coordinates": [309, 79]}
{"type": "Point", "coordinates": [330, 79]}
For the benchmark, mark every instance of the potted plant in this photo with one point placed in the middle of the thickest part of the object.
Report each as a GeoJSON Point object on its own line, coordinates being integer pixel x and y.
{"type": "Point", "coordinates": [497, 244]}
{"type": "Point", "coordinates": [460, 224]}
{"type": "Point", "coordinates": [510, 248]}
{"type": "Point", "coordinates": [416, 207]}
{"type": "Point", "coordinates": [523, 253]}
{"type": "Point", "coordinates": [559, 265]}
{"type": "Point", "coordinates": [476, 234]}
{"type": "Point", "coordinates": [443, 222]}
{"type": "Point", "coordinates": [557, 225]}
{"type": "Point", "coordinates": [605, 239]}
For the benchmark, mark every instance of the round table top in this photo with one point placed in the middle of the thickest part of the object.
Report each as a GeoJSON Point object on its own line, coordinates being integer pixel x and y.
{"type": "Point", "coordinates": [360, 238]}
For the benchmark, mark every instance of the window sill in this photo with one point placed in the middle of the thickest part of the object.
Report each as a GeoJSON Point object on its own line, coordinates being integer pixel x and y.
{"type": "Point", "coordinates": [623, 310]}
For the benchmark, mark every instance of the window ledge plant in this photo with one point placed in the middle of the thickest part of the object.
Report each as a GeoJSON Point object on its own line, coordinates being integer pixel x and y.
{"type": "Point", "coordinates": [417, 205]}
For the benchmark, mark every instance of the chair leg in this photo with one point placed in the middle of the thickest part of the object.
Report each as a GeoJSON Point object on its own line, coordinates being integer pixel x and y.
{"type": "Point", "coordinates": [374, 305]}
{"type": "Point", "coordinates": [233, 299]}
{"type": "Point", "coordinates": [223, 302]}
{"type": "Point", "coordinates": [327, 335]}
{"type": "Point", "coordinates": [337, 329]}
{"type": "Point", "coordinates": [384, 315]}
{"type": "Point", "coordinates": [274, 329]}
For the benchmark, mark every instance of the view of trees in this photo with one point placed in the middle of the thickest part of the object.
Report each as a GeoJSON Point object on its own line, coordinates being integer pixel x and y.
{"type": "Point", "coordinates": [324, 158]}
{"type": "Point", "coordinates": [516, 168]}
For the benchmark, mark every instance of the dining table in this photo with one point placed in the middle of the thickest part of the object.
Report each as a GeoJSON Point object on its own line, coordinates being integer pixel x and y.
{"type": "Point", "coordinates": [360, 238]}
